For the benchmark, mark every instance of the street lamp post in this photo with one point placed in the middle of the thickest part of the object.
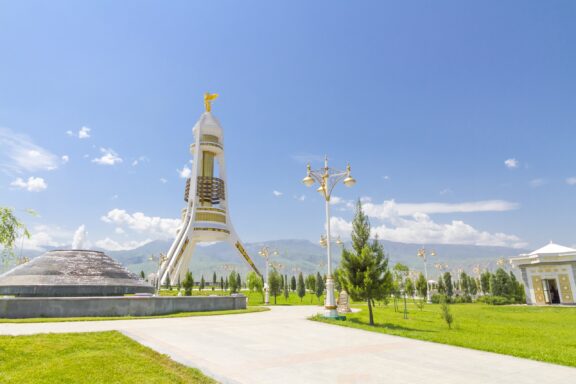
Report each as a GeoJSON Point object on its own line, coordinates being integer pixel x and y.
{"type": "Point", "coordinates": [327, 178]}
{"type": "Point", "coordinates": [422, 253]}
{"type": "Point", "coordinates": [266, 252]}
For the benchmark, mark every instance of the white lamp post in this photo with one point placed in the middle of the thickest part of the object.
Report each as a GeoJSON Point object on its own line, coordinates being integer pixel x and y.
{"type": "Point", "coordinates": [327, 178]}
{"type": "Point", "coordinates": [422, 253]}
{"type": "Point", "coordinates": [266, 252]}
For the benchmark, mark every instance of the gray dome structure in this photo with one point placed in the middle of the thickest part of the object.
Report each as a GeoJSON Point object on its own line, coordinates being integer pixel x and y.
{"type": "Point", "coordinates": [66, 273]}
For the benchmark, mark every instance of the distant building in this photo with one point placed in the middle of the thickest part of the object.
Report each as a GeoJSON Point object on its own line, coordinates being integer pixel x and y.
{"type": "Point", "coordinates": [549, 274]}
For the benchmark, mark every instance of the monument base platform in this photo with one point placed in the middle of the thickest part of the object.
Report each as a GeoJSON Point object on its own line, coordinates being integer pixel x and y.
{"type": "Point", "coordinates": [33, 307]}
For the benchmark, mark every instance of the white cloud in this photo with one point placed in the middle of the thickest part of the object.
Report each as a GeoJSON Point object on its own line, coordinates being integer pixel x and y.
{"type": "Point", "coordinates": [65, 159]}
{"type": "Point", "coordinates": [446, 191]}
{"type": "Point", "coordinates": [154, 226]}
{"type": "Point", "coordinates": [535, 183]}
{"type": "Point", "coordinates": [511, 163]}
{"type": "Point", "coordinates": [389, 208]}
{"type": "Point", "coordinates": [119, 231]}
{"type": "Point", "coordinates": [421, 229]}
{"type": "Point", "coordinates": [42, 236]}
{"type": "Point", "coordinates": [387, 178]}
{"type": "Point", "coordinates": [79, 239]}
{"type": "Point", "coordinates": [300, 197]}
{"type": "Point", "coordinates": [112, 245]}
{"type": "Point", "coordinates": [185, 172]}
{"type": "Point", "coordinates": [19, 154]}
{"type": "Point", "coordinates": [83, 133]}
{"type": "Point", "coordinates": [571, 181]}
{"type": "Point", "coordinates": [277, 193]}
{"type": "Point", "coordinates": [139, 160]}
{"type": "Point", "coordinates": [33, 184]}
{"type": "Point", "coordinates": [109, 157]}
{"type": "Point", "coordinates": [163, 180]}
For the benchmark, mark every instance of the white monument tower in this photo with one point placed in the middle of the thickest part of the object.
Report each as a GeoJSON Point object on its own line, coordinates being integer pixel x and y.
{"type": "Point", "coordinates": [206, 217]}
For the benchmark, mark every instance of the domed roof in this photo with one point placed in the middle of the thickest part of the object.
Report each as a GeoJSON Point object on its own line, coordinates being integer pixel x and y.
{"type": "Point", "coordinates": [552, 248]}
{"type": "Point", "coordinates": [72, 273]}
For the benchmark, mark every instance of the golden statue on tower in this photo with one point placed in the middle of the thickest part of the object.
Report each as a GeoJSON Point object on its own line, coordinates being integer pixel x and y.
{"type": "Point", "coordinates": [208, 98]}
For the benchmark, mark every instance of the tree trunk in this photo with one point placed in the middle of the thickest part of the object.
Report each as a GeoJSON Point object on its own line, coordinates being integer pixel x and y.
{"type": "Point", "coordinates": [370, 312]}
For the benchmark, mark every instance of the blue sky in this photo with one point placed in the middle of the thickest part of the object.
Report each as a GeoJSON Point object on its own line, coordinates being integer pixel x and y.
{"type": "Point", "coordinates": [458, 118]}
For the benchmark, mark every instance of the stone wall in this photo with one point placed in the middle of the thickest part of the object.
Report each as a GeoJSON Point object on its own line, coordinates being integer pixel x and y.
{"type": "Point", "coordinates": [32, 307]}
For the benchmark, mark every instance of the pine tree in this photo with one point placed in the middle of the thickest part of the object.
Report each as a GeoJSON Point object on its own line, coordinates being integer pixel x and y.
{"type": "Point", "coordinates": [421, 286]}
{"type": "Point", "coordinates": [232, 282]}
{"type": "Point", "coordinates": [286, 290]}
{"type": "Point", "coordinates": [221, 283]}
{"type": "Point", "coordinates": [319, 286]}
{"type": "Point", "coordinates": [214, 281]}
{"type": "Point", "coordinates": [365, 269]}
{"type": "Point", "coordinates": [301, 287]}
{"type": "Point", "coordinates": [188, 283]}
{"type": "Point", "coordinates": [275, 281]}
{"type": "Point", "coordinates": [202, 283]}
{"type": "Point", "coordinates": [238, 282]}
{"type": "Point", "coordinates": [142, 275]}
{"type": "Point", "coordinates": [168, 283]}
{"type": "Point", "coordinates": [293, 284]}
{"type": "Point", "coordinates": [448, 284]}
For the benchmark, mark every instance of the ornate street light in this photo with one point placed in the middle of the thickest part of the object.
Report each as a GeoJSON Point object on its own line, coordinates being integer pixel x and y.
{"type": "Point", "coordinates": [327, 178]}
{"type": "Point", "coordinates": [266, 252]}
{"type": "Point", "coordinates": [424, 255]}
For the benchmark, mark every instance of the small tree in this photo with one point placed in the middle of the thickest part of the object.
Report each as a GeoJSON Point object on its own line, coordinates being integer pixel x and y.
{"type": "Point", "coordinates": [286, 290]}
{"type": "Point", "coordinates": [238, 282]}
{"type": "Point", "coordinates": [319, 286]}
{"type": "Point", "coordinates": [178, 284]}
{"type": "Point", "coordinates": [365, 268]}
{"type": "Point", "coordinates": [448, 284]}
{"type": "Point", "coordinates": [232, 282]}
{"type": "Point", "coordinates": [214, 281]}
{"type": "Point", "coordinates": [445, 311]}
{"type": "Point", "coordinates": [255, 283]}
{"type": "Point", "coordinates": [409, 287]}
{"type": "Point", "coordinates": [226, 284]}
{"type": "Point", "coordinates": [311, 285]}
{"type": "Point", "coordinates": [142, 275]}
{"type": "Point", "coordinates": [168, 283]}
{"type": "Point", "coordinates": [202, 284]}
{"type": "Point", "coordinates": [421, 286]}
{"type": "Point", "coordinates": [221, 283]}
{"type": "Point", "coordinates": [188, 283]}
{"type": "Point", "coordinates": [10, 230]}
{"type": "Point", "coordinates": [301, 287]}
{"type": "Point", "coordinates": [275, 281]}
{"type": "Point", "coordinates": [293, 283]}
{"type": "Point", "coordinates": [485, 282]}
{"type": "Point", "coordinates": [441, 286]}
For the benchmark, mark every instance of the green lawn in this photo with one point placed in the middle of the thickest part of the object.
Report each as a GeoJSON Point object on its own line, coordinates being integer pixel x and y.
{"type": "Point", "coordinates": [256, 298]}
{"type": "Point", "coordinates": [180, 314]}
{"type": "Point", "coordinates": [101, 357]}
{"type": "Point", "coordinates": [538, 333]}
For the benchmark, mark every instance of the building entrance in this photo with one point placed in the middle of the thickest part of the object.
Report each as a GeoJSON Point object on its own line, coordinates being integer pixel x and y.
{"type": "Point", "coordinates": [551, 291]}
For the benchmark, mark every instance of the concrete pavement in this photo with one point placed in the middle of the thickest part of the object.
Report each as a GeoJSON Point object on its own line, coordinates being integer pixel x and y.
{"type": "Point", "coordinates": [281, 346]}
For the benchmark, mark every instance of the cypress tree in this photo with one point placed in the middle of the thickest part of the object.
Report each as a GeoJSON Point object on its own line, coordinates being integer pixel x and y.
{"type": "Point", "coordinates": [301, 287]}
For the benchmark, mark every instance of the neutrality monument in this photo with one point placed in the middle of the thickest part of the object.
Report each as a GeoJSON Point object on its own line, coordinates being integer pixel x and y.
{"type": "Point", "coordinates": [205, 217]}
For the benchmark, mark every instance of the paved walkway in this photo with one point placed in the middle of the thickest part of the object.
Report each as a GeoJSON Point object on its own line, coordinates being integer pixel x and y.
{"type": "Point", "coordinates": [281, 346]}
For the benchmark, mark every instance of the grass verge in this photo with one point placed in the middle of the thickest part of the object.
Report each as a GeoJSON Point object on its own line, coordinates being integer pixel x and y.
{"type": "Point", "coordinates": [538, 333]}
{"type": "Point", "coordinates": [99, 357]}
{"type": "Point", "coordinates": [181, 314]}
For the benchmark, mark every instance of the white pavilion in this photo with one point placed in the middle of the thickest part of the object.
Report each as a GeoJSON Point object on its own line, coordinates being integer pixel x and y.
{"type": "Point", "coordinates": [549, 274]}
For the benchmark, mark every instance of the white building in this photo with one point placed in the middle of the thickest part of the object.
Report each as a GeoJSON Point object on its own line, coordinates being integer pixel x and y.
{"type": "Point", "coordinates": [549, 274]}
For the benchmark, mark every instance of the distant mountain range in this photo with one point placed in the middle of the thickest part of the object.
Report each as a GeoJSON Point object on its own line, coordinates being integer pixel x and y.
{"type": "Point", "coordinates": [307, 256]}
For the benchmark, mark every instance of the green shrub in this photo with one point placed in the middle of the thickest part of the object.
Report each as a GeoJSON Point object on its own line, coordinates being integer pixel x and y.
{"type": "Point", "coordinates": [495, 300]}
